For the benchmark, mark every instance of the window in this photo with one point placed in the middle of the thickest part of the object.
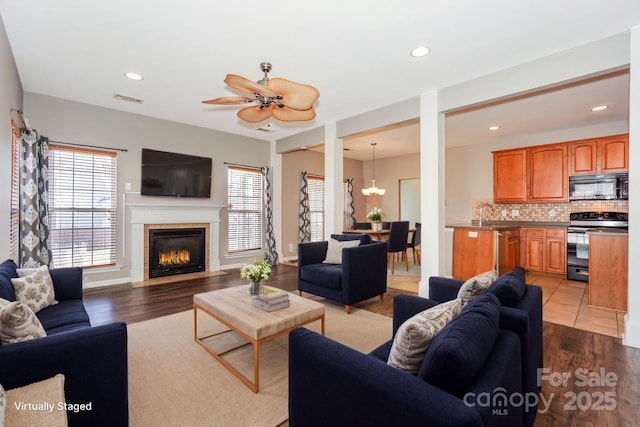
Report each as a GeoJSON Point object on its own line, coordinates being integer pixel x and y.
{"type": "Point", "coordinates": [244, 189]}
{"type": "Point", "coordinates": [15, 189]}
{"type": "Point", "coordinates": [347, 220]}
{"type": "Point", "coordinates": [82, 206]}
{"type": "Point", "coordinates": [316, 207]}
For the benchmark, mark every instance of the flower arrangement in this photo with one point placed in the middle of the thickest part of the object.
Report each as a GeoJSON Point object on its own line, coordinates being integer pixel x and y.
{"type": "Point", "coordinates": [256, 271]}
{"type": "Point", "coordinates": [375, 215]}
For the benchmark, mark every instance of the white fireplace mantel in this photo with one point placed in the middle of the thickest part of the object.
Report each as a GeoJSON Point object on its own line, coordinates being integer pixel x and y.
{"type": "Point", "coordinates": [139, 215]}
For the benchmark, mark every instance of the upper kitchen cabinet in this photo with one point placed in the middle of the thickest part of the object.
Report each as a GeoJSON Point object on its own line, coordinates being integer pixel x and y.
{"type": "Point", "coordinates": [535, 174]}
{"type": "Point", "coordinates": [510, 176]}
{"type": "Point", "coordinates": [547, 173]}
{"type": "Point", "coordinates": [600, 155]}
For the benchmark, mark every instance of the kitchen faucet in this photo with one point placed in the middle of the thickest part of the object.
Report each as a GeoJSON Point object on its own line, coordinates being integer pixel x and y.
{"type": "Point", "coordinates": [481, 208]}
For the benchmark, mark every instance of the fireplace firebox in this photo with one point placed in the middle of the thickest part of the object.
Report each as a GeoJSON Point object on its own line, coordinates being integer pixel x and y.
{"type": "Point", "coordinates": [176, 251]}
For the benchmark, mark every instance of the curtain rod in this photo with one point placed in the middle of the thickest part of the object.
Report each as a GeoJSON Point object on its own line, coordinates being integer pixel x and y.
{"type": "Point", "coordinates": [88, 146]}
{"type": "Point", "coordinates": [242, 166]}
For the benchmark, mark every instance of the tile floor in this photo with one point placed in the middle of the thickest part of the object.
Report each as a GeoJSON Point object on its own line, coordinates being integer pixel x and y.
{"type": "Point", "coordinates": [566, 302]}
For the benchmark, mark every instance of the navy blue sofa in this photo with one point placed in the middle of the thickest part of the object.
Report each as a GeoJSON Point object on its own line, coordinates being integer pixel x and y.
{"type": "Point", "coordinates": [331, 384]}
{"type": "Point", "coordinates": [362, 274]}
{"type": "Point", "coordinates": [521, 312]}
{"type": "Point", "coordinates": [92, 359]}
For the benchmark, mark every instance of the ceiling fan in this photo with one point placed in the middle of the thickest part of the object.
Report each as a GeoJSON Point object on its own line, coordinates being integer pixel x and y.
{"type": "Point", "coordinates": [279, 98]}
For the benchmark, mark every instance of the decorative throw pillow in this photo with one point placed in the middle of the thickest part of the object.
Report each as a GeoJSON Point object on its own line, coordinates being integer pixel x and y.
{"type": "Point", "coordinates": [3, 406]}
{"type": "Point", "coordinates": [416, 334]}
{"type": "Point", "coordinates": [476, 285]}
{"type": "Point", "coordinates": [334, 250]}
{"type": "Point", "coordinates": [510, 287]}
{"type": "Point", "coordinates": [460, 350]}
{"type": "Point", "coordinates": [49, 392]}
{"type": "Point", "coordinates": [19, 323]}
{"type": "Point", "coordinates": [34, 287]}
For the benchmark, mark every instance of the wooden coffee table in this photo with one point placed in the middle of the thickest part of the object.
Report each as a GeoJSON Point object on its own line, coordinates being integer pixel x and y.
{"type": "Point", "coordinates": [232, 307]}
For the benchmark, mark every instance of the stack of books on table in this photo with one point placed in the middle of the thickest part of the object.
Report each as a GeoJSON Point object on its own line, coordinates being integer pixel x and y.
{"type": "Point", "coordinates": [270, 299]}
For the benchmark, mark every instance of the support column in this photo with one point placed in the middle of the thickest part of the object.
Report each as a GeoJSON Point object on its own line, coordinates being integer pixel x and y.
{"type": "Point", "coordinates": [333, 177]}
{"type": "Point", "coordinates": [632, 319]}
{"type": "Point", "coordinates": [431, 190]}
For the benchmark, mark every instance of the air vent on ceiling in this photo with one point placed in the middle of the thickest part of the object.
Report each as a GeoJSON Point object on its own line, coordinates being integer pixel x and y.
{"type": "Point", "coordinates": [266, 130]}
{"type": "Point", "coordinates": [127, 98]}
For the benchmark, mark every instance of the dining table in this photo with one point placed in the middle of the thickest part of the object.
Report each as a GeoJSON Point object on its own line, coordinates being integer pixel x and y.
{"type": "Point", "coordinates": [375, 234]}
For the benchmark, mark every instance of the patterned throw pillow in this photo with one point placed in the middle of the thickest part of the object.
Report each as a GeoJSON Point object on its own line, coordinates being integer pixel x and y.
{"type": "Point", "coordinates": [415, 335]}
{"type": "Point", "coordinates": [34, 287]}
{"type": "Point", "coordinates": [476, 285]}
{"type": "Point", "coordinates": [3, 405]}
{"type": "Point", "coordinates": [19, 323]}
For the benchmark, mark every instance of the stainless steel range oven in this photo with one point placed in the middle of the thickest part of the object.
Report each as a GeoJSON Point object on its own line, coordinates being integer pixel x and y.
{"type": "Point", "coordinates": [578, 239]}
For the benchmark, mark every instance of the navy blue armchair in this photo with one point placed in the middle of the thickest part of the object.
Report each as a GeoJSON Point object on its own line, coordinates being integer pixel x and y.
{"type": "Point", "coordinates": [521, 312]}
{"type": "Point", "coordinates": [361, 275]}
{"type": "Point", "coordinates": [331, 384]}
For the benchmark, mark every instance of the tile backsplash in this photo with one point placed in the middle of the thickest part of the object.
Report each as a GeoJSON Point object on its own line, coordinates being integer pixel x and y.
{"type": "Point", "coordinates": [544, 212]}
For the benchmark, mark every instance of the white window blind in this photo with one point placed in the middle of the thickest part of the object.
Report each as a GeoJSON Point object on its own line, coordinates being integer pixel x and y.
{"type": "Point", "coordinates": [82, 206]}
{"type": "Point", "coordinates": [316, 207]}
{"type": "Point", "coordinates": [15, 191]}
{"type": "Point", "coordinates": [244, 189]}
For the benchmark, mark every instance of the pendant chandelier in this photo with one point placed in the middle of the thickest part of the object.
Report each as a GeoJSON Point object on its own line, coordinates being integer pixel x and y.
{"type": "Point", "coordinates": [373, 190]}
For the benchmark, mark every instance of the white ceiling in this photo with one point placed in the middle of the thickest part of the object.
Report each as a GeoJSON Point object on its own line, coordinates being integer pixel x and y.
{"type": "Point", "coordinates": [355, 53]}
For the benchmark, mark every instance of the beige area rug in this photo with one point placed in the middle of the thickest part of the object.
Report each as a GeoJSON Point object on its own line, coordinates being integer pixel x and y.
{"type": "Point", "coordinates": [175, 382]}
{"type": "Point", "coordinates": [177, 278]}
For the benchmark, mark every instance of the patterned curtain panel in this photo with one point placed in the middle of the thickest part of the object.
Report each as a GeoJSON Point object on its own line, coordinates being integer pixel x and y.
{"type": "Point", "coordinates": [34, 188]}
{"type": "Point", "coordinates": [271, 254]}
{"type": "Point", "coordinates": [350, 216]}
{"type": "Point", "coordinates": [304, 221]}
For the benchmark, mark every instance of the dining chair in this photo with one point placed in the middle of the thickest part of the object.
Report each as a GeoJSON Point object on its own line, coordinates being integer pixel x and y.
{"type": "Point", "coordinates": [362, 226]}
{"type": "Point", "coordinates": [398, 243]}
{"type": "Point", "coordinates": [386, 225]}
{"type": "Point", "coordinates": [414, 245]}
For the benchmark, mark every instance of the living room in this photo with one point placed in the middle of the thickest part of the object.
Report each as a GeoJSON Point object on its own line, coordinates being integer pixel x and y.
{"type": "Point", "coordinates": [71, 121]}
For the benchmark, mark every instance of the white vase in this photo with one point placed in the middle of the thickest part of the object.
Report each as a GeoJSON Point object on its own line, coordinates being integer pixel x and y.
{"type": "Point", "coordinates": [376, 226]}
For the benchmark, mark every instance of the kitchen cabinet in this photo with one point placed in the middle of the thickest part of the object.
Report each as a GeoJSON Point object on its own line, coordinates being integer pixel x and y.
{"type": "Point", "coordinates": [536, 174]}
{"type": "Point", "coordinates": [510, 176]}
{"type": "Point", "coordinates": [547, 173]}
{"type": "Point", "coordinates": [608, 270]}
{"type": "Point", "coordinates": [474, 252]}
{"type": "Point", "coordinates": [508, 250]}
{"type": "Point", "coordinates": [545, 250]}
{"type": "Point", "coordinates": [608, 154]}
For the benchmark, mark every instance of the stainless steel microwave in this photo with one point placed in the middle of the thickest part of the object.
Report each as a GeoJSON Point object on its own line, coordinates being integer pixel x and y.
{"type": "Point", "coordinates": [599, 187]}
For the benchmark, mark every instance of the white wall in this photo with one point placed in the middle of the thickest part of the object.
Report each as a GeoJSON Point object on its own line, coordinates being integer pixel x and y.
{"type": "Point", "coordinates": [10, 97]}
{"type": "Point", "coordinates": [73, 122]}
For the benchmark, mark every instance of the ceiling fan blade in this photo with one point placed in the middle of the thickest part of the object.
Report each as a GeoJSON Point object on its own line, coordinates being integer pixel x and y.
{"type": "Point", "coordinates": [255, 114]}
{"type": "Point", "coordinates": [286, 114]}
{"type": "Point", "coordinates": [244, 84]}
{"type": "Point", "coordinates": [226, 100]}
{"type": "Point", "coordinates": [297, 96]}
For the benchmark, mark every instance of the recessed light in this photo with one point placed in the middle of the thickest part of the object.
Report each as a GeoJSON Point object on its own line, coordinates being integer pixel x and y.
{"type": "Point", "coordinates": [420, 51]}
{"type": "Point", "coordinates": [599, 108]}
{"type": "Point", "coordinates": [494, 127]}
{"type": "Point", "coordinates": [133, 76]}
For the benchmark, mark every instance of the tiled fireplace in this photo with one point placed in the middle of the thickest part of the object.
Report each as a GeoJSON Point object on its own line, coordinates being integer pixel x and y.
{"type": "Point", "coordinates": [146, 219]}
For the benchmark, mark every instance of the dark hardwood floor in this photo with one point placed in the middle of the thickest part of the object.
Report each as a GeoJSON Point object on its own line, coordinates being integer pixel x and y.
{"type": "Point", "coordinates": [593, 380]}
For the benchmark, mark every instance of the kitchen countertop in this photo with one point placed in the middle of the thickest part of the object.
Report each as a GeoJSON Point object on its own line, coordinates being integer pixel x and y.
{"type": "Point", "coordinates": [505, 225]}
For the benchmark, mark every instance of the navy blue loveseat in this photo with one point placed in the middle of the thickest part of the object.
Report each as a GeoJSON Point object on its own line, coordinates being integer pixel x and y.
{"type": "Point", "coordinates": [520, 312]}
{"type": "Point", "coordinates": [470, 360]}
{"type": "Point", "coordinates": [361, 275]}
{"type": "Point", "coordinates": [92, 359]}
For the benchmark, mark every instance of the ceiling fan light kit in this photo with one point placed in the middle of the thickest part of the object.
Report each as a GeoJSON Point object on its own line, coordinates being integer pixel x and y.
{"type": "Point", "coordinates": [373, 190]}
{"type": "Point", "coordinates": [279, 98]}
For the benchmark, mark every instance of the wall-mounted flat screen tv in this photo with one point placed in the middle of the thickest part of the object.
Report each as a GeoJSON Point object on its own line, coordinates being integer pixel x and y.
{"type": "Point", "coordinates": [173, 174]}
